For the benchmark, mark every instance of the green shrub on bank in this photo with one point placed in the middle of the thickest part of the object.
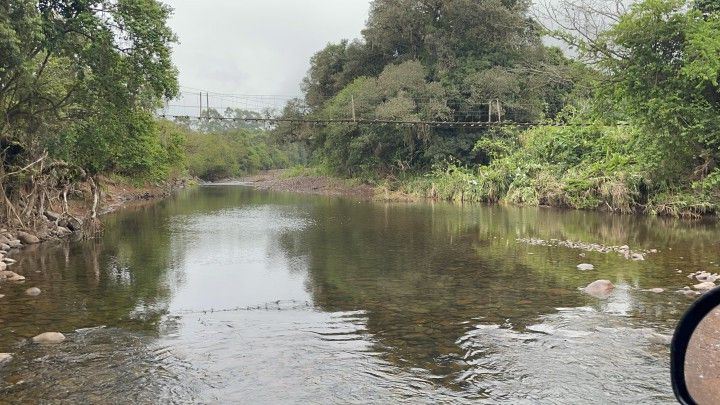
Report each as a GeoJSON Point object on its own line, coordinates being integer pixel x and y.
{"type": "Point", "coordinates": [134, 146]}
{"type": "Point", "coordinates": [214, 156]}
{"type": "Point", "coordinates": [584, 167]}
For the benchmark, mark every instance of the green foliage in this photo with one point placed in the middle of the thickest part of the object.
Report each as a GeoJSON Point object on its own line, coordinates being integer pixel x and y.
{"type": "Point", "coordinates": [400, 93]}
{"type": "Point", "coordinates": [421, 60]}
{"type": "Point", "coordinates": [580, 167]}
{"type": "Point", "coordinates": [135, 146]}
{"type": "Point", "coordinates": [216, 156]}
{"type": "Point", "coordinates": [665, 72]}
{"type": "Point", "coordinates": [657, 70]}
{"type": "Point", "coordinates": [80, 79]}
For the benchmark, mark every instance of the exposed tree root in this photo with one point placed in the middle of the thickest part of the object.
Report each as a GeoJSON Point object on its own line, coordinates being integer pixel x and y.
{"type": "Point", "coordinates": [31, 195]}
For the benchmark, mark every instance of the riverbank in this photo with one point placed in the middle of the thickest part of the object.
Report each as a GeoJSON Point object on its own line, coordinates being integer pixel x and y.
{"type": "Point", "coordinates": [54, 224]}
{"type": "Point", "coordinates": [460, 185]}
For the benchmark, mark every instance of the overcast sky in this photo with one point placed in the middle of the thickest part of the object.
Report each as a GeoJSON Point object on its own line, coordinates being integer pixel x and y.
{"type": "Point", "coordinates": [257, 46]}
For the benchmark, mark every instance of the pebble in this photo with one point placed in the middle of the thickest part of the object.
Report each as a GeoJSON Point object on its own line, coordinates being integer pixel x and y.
{"type": "Point", "coordinates": [33, 291]}
{"type": "Point", "coordinates": [585, 266]}
{"type": "Point", "coordinates": [5, 357]}
{"type": "Point", "coordinates": [704, 286]}
{"type": "Point", "coordinates": [49, 337]}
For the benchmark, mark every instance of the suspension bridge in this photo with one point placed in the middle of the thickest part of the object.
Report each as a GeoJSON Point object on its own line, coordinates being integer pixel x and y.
{"type": "Point", "coordinates": [269, 110]}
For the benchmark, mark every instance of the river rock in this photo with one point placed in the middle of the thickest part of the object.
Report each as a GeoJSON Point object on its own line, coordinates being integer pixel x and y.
{"type": "Point", "coordinates": [5, 358]}
{"type": "Point", "coordinates": [49, 337]}
{"type": "Point", "coordinates": [4, 239]}
{"type": "Point", "coordinates": [28, 238]}
{"type": "Point", "coordinates": [703, 276]}
{"type": "Point", "coordinates": [33, 291]}
{"type": "Point", "coordinates": [8, 261]}
{"type": "Point", "coordinates": [704, 286]}
{"type": "Point", "coordinates": [585, 266]}
{"type": "Point", "coordinates": [4, 247]}
{"type": "Point", "coordinates": [62, 231]}
{"type": "Point", "coordinates": [70, 223]}
{"type": "Point", "coordinates": [599, 288]}
{"type": "Point", "coordinates": [656, 290]}
{"type": "Point", "coordinates": [637, 257]}
{"type": "Point", "coordinates": [3, 266]}
{"type": "Point", "coordinates": [15, 244]}
{"type": "Point", "coordinates": [11, 276]}
{"type": "Point", "coordinates": [52, 216]}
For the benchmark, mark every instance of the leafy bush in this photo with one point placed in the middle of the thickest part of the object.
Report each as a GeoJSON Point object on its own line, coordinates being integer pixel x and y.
{"type": "Point", "coordinates": [214, 156]}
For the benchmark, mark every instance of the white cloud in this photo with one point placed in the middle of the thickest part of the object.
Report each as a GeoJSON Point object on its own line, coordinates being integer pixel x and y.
{"type": "Point", "coordinates": [258, 46]}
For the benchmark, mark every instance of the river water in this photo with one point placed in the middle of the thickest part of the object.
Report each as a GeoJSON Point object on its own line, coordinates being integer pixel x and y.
{"type": "Point", "coordinates": [227, 294]}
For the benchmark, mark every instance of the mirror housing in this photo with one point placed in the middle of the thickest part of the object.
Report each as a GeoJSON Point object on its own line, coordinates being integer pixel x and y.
{"type": "Point", "coordinates": [705, 304]}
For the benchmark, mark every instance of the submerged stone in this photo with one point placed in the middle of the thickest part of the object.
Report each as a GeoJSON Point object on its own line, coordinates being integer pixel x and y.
{"type": "Point", "coordinates": [599, 288]}
{"type": "Point", "coordinates": [585, 266]}
{"type": "Point", "coordinates": [33, 291]}
{"type": "Point", "coordinates": [49, 337]}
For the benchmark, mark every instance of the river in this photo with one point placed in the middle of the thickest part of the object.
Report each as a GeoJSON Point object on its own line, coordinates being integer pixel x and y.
{"type": "Point", "coordinates": [227, 294]}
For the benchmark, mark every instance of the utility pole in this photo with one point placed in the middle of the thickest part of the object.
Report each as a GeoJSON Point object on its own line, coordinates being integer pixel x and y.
{"type": "Point", "coordinates": [352, 103]}
{"type": "Point", "coordinates": [201, 103]}
{"type": "Point", "coordinates": [207, 102]}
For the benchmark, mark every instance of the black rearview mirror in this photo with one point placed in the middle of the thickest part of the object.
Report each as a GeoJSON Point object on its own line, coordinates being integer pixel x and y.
{"type": "Point", "coordinates": [695, 352]}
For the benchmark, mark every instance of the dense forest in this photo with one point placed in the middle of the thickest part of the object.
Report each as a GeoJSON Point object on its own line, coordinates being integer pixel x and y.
{"type": "Point", "coordinates": [628, 115]}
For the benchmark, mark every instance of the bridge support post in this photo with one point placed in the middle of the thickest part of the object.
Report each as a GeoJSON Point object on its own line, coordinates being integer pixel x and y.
{"type": "Point", "coordinates": [352, 104]}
